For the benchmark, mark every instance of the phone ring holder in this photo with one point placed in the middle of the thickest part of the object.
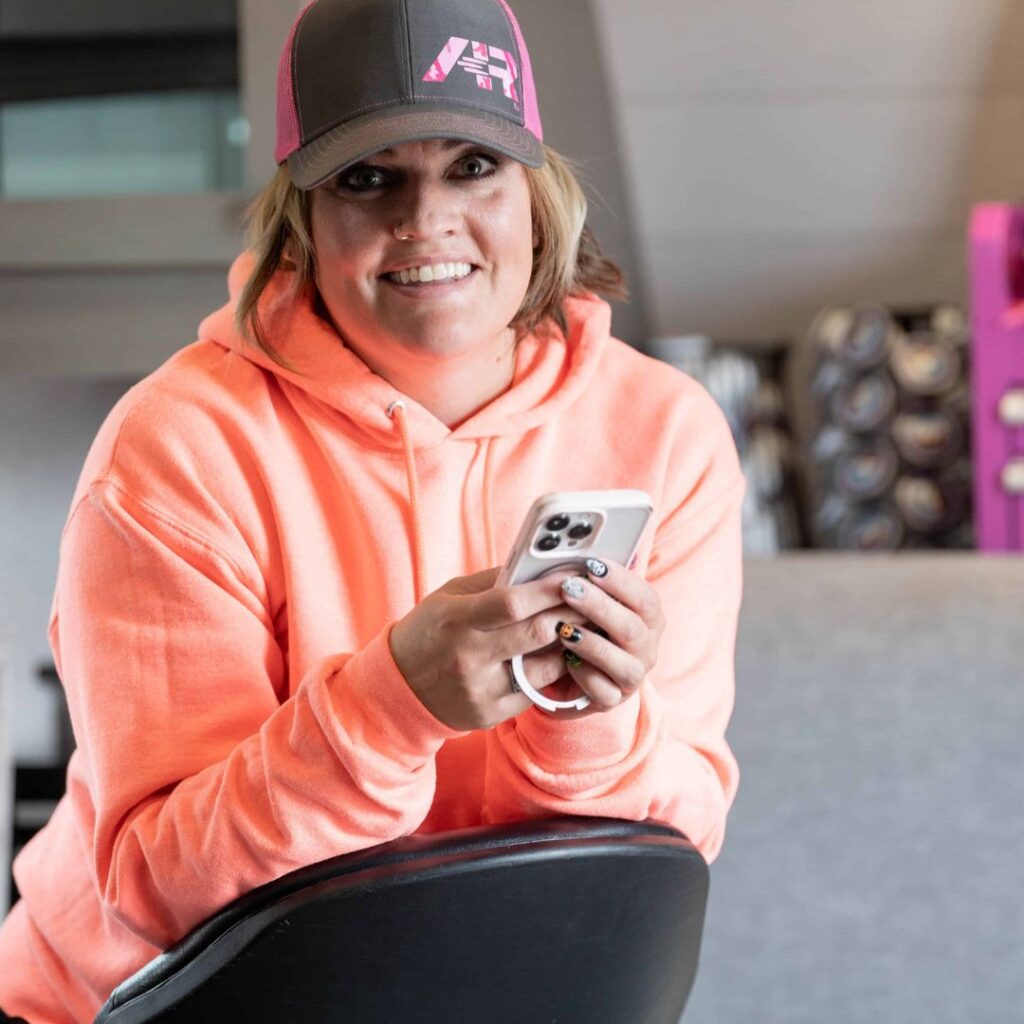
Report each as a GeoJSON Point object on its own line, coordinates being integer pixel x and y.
{"type": "Point", "coordinates": [538, 698]}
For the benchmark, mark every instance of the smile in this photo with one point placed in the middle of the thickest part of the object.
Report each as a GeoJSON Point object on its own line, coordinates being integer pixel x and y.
{"type": "Point", "coordinates": [436, 273]}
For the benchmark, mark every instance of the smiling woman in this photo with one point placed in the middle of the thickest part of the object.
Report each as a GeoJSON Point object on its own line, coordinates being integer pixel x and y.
{"type": "Point", "coordinates": [535, 218]}
{"type": "Point", "coordinates": [445, 341]}
{"type": "Point", "coordinates": [277, 614]}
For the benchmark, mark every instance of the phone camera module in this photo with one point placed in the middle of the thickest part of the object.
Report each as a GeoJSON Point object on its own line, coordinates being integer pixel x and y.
{"type": "Point", "coordinates": [548, 543]}
{"type": "Point", "coordinates": [556, 523]}
{"type": "Point", "coordinates": [581, 530]}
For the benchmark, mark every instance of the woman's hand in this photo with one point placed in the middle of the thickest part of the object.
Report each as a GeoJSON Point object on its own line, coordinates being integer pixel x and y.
{"type": "Point", "coordinates": [616, 657]}
{"type": "Point", "coordinates": [453, 646]}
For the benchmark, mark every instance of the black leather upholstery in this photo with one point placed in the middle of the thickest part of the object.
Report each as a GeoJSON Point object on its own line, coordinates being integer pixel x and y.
{"type": "Point", "coordinates": [564, 920]}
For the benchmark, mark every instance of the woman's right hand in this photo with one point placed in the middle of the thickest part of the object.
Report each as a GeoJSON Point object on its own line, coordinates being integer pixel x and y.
{"type": "Point", "coordinates": [452, 648]}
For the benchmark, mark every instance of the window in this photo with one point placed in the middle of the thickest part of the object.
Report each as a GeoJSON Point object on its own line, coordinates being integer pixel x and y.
{"type": "Point", "coordinates": [123, 97]}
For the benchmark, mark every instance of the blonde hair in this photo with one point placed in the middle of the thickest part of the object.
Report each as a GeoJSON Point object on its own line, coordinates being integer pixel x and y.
{"type": "Point", "coordinates": [567, 259]}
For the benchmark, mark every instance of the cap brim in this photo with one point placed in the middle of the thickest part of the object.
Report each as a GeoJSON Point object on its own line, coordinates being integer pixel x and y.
{"type": "Point", "coordinates": [314, 163]}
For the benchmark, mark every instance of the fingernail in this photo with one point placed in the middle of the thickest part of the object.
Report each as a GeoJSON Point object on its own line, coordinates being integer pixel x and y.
{"type": "Point", "coordinates": [596, 567]}
{"type": "Point", "coordinates": [567, 631]}
{"type": "Point", "coordinates": [574, 587]}
{"type": "Point", "coordinates": [573, 658]}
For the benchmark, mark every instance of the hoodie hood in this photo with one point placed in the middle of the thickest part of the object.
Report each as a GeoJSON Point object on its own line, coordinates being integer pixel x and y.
{"type": "Point", "coordinates": [551, 368]}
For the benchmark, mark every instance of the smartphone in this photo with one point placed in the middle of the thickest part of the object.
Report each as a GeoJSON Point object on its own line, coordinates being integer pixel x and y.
{"type": "Point", "coordinates": [561, 531]}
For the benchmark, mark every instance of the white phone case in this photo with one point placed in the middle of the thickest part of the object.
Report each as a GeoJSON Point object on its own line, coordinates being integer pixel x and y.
{"type": "Point", "coordinates": [562, 530]}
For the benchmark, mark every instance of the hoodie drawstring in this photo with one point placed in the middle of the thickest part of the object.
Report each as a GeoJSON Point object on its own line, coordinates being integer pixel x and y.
{"type": "Point", "coordinates": [393, 411]}
{"type": "Point", "coordinates": [414, 498]}
{"type": "Point", "coordinates": [492, 555]}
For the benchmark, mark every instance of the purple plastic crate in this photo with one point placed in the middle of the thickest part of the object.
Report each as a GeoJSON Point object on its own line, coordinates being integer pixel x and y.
{"type": "Point", "coordinates": [997, 374]}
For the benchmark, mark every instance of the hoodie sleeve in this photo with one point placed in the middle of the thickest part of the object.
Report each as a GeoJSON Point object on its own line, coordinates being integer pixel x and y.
{"type": "Point", "coordinates": [661, 754]}
{"type": "Point", "coordinates": [198, 780]}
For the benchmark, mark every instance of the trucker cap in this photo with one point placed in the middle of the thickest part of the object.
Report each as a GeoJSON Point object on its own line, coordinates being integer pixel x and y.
{"type": "Point", "coordinates": [358, 76]}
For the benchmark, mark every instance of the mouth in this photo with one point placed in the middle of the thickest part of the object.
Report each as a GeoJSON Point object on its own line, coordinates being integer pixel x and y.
{"type": "Point", "coordinates": [431, 277]}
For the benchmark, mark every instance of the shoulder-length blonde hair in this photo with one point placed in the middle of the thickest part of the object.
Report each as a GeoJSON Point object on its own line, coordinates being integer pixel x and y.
{"type": "Point", "coordinates": [567, 259]}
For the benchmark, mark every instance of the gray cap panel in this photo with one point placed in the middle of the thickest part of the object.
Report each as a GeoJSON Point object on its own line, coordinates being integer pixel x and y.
{"type": "Point", "coordinates": [473, 75]}
{"type": "Point", "coordinates": [352, 58]}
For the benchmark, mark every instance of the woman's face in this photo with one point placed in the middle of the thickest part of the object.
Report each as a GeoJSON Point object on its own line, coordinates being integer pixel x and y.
{"type": "Point", "coordinates": [452, 202]}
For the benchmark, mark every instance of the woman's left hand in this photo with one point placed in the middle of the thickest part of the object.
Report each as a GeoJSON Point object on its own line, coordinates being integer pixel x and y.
{"type": "Point", "coordinates": [627, 610]}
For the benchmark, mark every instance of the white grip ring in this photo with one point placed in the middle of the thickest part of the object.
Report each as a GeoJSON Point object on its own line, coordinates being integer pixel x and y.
{"type": "Point", "coordinates": [538, 698]}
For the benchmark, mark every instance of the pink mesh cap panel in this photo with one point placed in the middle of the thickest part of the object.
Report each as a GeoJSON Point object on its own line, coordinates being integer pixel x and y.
{"type": "Point", "coordinates": [531, 109]}
{"type": "Point", "coordinates": [289, 132]}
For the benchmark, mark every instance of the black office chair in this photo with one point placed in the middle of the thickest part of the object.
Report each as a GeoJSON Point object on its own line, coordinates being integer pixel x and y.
{"type": "Point", "coordinates": [587, 920]}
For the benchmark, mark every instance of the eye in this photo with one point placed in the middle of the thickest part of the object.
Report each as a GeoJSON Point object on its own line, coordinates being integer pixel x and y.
{"type": "Point", "coordinates": [479, 164]}
{"type": "Point", "coordinates": [361, 178]}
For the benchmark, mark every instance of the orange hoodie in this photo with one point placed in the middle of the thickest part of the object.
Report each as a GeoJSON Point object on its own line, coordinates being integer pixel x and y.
{"type": "Point", "coordinates": [240, 542]}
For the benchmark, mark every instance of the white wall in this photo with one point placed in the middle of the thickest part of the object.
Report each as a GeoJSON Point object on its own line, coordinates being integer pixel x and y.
{"type": "Point", "coordinates": [46, 427]}
{"type": "Point", "coordinates": [782, 156]}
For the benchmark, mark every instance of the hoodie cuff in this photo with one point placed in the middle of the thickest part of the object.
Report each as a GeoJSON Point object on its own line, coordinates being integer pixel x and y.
{"type": "Point", "coordinates": [566, 746]}
{"type": "Point", "coordinates": [371, 684]}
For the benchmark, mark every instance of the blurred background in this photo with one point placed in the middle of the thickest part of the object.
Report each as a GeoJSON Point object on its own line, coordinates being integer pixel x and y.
{"type": "Point", "coordinates": [819, 207]}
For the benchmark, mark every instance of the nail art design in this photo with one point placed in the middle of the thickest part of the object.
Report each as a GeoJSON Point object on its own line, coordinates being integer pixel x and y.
{"type": "Point", "coordinates": [567, 631]}
{"type": "Point", "coordinates": [597, 568]}
{"type": "Point", "coordinates": [573, 658]}
{"type": "Point", "coordinates": [574, 587]}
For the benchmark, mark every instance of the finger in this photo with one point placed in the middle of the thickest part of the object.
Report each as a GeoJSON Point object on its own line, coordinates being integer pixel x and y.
{"type": "Point", "coordinates": [547, 669]}
{"type": "Point", "coordinates": [532, 638]}
{"type": "Point", "coordinates": [475, 583]}
{"type": "Point", "coordinates": [624, 671]}
{"type": "Point", "coordinates": [564, 688]}
{"type": "Point", "coordinates": [601, 690]}
{"type": "Point", "coordinates": [545, 672]}
{"type": "Point", "coordinates": [621, 624]}
{"type": "Point", "coordinates": [629, 589]}
{"type": "Point", "coordinates": [502, 606]}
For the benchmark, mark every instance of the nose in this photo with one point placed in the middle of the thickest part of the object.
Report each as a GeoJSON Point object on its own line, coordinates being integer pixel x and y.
{"type": "Point", "coordinates": [425, 209]}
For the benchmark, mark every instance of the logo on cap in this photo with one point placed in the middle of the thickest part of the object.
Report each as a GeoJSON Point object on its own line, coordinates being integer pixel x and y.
{"type": "Point", "coordinates": [478, 64]}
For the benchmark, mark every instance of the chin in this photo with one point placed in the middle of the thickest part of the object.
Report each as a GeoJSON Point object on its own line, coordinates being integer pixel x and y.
{"type": "Point", "coordinates": [449, 336]}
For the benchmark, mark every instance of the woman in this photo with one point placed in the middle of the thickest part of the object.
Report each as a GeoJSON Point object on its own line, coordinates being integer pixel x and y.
{"type": "Point", "coordinates": [275, 614]}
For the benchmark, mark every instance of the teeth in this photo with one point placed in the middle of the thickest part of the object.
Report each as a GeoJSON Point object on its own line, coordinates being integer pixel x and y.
{"type": "Point", "coordinates": [437, 272]}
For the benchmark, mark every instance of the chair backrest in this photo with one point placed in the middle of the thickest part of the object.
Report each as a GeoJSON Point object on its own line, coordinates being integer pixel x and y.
{"type": "Point", "coordinates": [568, 919]}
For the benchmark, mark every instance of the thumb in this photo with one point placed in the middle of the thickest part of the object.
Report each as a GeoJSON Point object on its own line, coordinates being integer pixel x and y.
{"type": "Point", "coordinates": [475, 583]}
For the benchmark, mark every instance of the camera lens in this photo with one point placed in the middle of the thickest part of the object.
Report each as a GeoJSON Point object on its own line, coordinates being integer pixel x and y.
{"type": "Point", "coordinates": [556, 523]}
{"type": "Point", "coordinates": [581, 530]}
{"type": "Point", "coordinates": [548, 543]}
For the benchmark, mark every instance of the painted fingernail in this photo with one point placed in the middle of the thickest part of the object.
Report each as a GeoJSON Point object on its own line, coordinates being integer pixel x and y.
{"type": "Point", "coordinates": [596, 567]}
{"type": "Point", "coordinates": [573, 658]}
{"type": "Point", "coordinates": [567, 631]}
{"type": "Point", "coordinates": [573, 587]}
